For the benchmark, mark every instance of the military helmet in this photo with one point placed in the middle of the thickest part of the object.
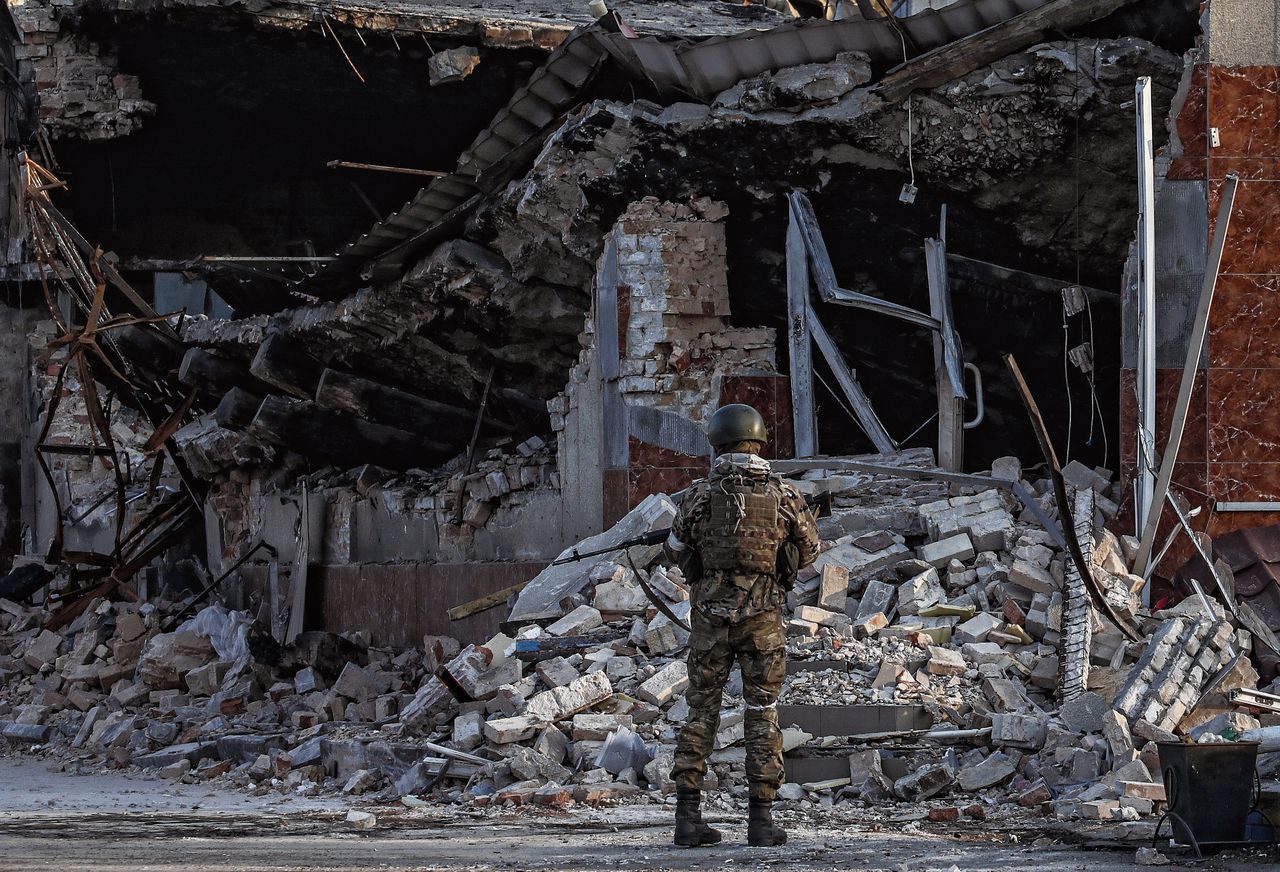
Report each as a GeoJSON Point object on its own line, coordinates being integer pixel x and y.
{"type": "Point", "coordinates": [736, 422]}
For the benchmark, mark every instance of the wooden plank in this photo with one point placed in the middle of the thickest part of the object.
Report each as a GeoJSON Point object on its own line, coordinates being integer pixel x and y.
{"type": "Point", "coordinates": [488, 601]}
{"type": "Point", "coordinates": [803, 415]}
{"type": "Point", "coordinates": [956, 59]}
{"type": "Point", "coordinates": [298, 574]}
{"type": "Point", "coordinates": [862, 408]}
{"type": "Point", "coordinates": [948, 372]}
{"type": "Point", "coordinates": [615, 452]}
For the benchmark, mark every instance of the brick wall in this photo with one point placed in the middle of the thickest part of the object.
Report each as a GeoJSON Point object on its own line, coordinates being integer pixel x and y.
{"type": "Point", "coordinates": [82, 93]}
{"type": "Point", "coordinates": [677, 353]}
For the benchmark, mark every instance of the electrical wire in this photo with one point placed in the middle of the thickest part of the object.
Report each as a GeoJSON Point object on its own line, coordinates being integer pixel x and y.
{"type": "Point", "coordinates": [911, 131]}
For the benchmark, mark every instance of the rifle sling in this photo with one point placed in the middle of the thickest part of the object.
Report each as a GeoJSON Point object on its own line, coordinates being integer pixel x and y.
{"type": "Point", "coordinates": [655, 597]}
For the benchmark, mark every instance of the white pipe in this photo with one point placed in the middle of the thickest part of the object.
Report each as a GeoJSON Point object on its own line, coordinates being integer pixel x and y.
{"type": "Point", "coordinates": [1146, 305]}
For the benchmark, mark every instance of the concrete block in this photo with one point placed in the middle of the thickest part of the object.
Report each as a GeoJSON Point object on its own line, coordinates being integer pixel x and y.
{"type": "Point", "coordinates": [958, 547]}
{"type": "Point", "coordinates": [468, 730]}
{"type": "Point", "coordinates": [671, 680]}
{"type": "Point", "coordinates": [1026, 731]}
{"type": "Point", "coordinates": [976, 629]}
{"type": "Point", "coordinates": [819, 616]}
{"type": "Point", "coordinates": [581, 620]}
{"type": "Point", "coordinates": [504, 731]}
{"type": "Point", "coordinates": [945, 661]}
{"type": "Point", "coordinates": [925, 782]}
{"type": "Point", "coordinates": [1032, 577]}
{"type": "Point", "coordinates": [990, 772]}
{"type": "Point", "coordinates": [876, 597]}
{"type": "Point", "coordinates": [833, 589]}
{"type": "Point", "coordinates": [920, 592]}
{"type": "Point", "coordinates": [562, 702]}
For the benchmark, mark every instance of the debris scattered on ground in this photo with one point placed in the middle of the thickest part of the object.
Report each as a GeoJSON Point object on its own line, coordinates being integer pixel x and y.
{"type": "Point", "coordinates": [925, 667]}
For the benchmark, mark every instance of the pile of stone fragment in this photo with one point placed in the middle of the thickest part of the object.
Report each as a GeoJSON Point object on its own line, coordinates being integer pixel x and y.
{"type": "Point", "coordinates": [949, 600]}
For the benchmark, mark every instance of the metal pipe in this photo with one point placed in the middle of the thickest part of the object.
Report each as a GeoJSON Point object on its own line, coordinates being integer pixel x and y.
{"type": "Point", "coordinates": [232, 258]}
{"type": "Point", "coordinates": [1247, 507]}
{"type": "Point", "coordinates": [977, 395]}
{"type": "Point", "coordinates": [381, 168]}
{"type": "Point", "coordinates": [1145, 489]}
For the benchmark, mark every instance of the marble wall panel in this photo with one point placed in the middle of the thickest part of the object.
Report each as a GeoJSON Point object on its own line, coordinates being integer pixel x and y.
{"type": "Point", "coordinates": [1244, 415]}
{"type": "Point", "coordinates": [1194, 433]}
{"type": "Point", "coordinates": [1244, 327]}
{"type": "Point", "coordinates": [1244, 104]}
{"type": "Point", "coordinates": [771, 397]}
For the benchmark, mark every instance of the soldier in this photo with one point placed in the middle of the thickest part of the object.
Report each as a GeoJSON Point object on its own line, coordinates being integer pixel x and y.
{"type": "Point", "coordinates": [740, 537]}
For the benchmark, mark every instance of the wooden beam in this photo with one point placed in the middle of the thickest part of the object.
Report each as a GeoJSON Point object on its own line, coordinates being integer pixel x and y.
{"type": "Point", "coordinates": [284, 364]}
{"type": "Point", "coordinates": [956, 59]}
{"type": "Point", "coordinates": [340, 438]}
{"type": "Point", "coordinates": [212, 374]}
{"type": "Point", "coordinates": [486, 602]}
{"type": "Point", "coordinates": [384, 404]}
{"type": "Point", "coordinates": [237, 408]}
{"type": "Point", "coordinates": [803, 416]}
{"type": "Point", "coordinates": [862, 408]}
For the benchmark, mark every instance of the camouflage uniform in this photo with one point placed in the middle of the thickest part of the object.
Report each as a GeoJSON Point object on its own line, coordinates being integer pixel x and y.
{"type": "Point", "coordinates": [736, 522]}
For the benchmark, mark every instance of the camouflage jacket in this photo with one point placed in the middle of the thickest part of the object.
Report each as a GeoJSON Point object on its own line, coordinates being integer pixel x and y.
{"type": "Point", "coordinates": [771, 516]}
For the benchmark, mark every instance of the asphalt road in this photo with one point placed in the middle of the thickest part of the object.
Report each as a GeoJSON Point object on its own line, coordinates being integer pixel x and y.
{"type": "Point", "coordinates": [114, 823]}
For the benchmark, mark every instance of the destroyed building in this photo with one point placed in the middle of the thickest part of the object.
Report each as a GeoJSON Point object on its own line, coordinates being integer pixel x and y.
{"type": "Point", "coordinates": [354, 317]}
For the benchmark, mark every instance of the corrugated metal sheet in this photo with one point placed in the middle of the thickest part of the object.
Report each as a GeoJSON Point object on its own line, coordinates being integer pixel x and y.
{"type": "Point", "coordinates": [702, 69]}
{"type": "Point", "coordinates": [706, 68]}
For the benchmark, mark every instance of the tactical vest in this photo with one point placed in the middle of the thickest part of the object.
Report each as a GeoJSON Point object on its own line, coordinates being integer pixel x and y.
{"type": "Point", "coordinates": [741, 530]}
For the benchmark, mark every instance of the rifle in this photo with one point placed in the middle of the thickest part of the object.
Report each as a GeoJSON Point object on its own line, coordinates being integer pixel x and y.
{"type": "Point", "coordinates": [654, 537]}
{"type": "Point", "coordinates": [819, 504]}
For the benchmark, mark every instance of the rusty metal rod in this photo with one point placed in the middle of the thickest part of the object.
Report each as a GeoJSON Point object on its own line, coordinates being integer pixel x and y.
{"type": "Point", "coordinates": [381, 168]}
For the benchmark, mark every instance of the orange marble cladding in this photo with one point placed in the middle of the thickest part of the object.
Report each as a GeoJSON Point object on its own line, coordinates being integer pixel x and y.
{"type": "Point", "coordinates": [1244, 329]}
{"type": "Point", "coordinates": [1244, 415]}
{"type": "Point", "coordinates": [1231, 446]}
{"type": "Point", "coordinates": [1244, 104]}
{"type": "Point", "coordinates": [1251, 246]}
{"type": "Point", "coordinates": [1194, 432]}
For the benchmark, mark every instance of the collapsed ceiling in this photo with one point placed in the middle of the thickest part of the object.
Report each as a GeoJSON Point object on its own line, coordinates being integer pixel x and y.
{"type": "Point", "coordinates": [1029, 153]}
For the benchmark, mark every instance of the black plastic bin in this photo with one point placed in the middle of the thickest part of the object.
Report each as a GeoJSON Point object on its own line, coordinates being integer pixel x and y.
{"type": "Point", "coordinates": [1209, 789]}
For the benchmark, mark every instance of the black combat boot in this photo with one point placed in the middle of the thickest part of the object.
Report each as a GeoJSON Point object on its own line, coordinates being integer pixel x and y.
{"type": "Point", "coordinates": [691, 830]}
{"type": "Point", "coordinates": [761, 831]}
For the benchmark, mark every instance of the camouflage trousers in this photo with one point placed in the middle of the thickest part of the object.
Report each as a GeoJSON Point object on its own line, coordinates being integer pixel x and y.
{"type": "Point", "coordinates": [758, 644]}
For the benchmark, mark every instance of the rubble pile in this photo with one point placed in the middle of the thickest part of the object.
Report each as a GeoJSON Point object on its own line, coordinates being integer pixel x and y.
{"type": "Point", "coordinates": [950, 624]}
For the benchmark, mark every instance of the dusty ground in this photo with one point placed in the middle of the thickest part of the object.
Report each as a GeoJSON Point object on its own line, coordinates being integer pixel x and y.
{"type": "Point", "coordinates": [52, 820]}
